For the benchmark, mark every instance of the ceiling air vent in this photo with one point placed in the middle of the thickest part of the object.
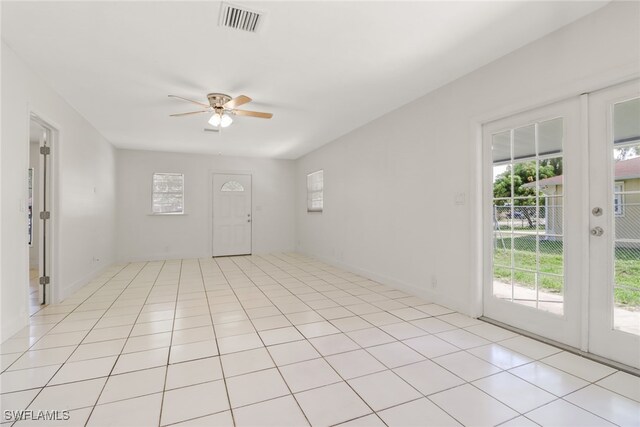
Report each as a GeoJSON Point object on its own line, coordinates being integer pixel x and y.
{"type": "Point", "coordinates": [240, 18]}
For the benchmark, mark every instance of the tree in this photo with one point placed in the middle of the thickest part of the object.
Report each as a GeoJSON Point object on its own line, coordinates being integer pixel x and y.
{"type": "Point", "coordinates": [524, 173]}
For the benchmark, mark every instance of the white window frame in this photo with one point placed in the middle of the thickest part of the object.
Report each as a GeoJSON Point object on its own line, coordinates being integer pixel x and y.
{"type": "Point", "coordinates": [618, 196]}
{"type": "Point", "coordinates": [153, 178]}
{"type": "Point", "coordinates": [313, 193]}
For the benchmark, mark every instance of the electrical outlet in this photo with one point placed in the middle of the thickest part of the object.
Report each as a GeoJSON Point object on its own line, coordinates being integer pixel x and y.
{"type": "Point", "coordinates": [434, 281]}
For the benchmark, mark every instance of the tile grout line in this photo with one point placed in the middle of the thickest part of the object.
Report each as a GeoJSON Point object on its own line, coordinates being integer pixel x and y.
{"type": "Point", "coordinates": [129, 335]}
{"type": "Point", "coordinates": [296, 272]}
{"type": "Point", "coordinates": [470, 382]}
{"type": "Point", "coordinates": [77, 345]}
{"type": "Point", "coordinates": [58, 322]}
{"type": "Point", "coordinates": [173, 325]}
{"type": "Point", "coordinates": [321, 356]}
{"type": "Point", "coordinates": [261, 340]}
{"type": "Point", "coordinates": [422, 395]}
{"type": "Point", "coordinates": [215, 335]}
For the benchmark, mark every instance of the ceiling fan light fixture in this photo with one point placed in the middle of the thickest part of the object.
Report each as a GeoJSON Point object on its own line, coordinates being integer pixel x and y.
{"type": "Point", "coordinates": [225, 120]}
{"type": "Point", "coordinates": [215, 120]}
{"type": "Point", "coordinates": [220, 120]}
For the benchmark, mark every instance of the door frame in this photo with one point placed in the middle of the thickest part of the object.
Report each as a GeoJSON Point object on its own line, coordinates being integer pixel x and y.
{"type": "Point", "coordinates": [212, 174]}
{"type": "Point", "coordinates": [51, 245]}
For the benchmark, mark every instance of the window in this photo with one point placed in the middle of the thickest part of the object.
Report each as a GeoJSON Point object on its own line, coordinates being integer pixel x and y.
{"type": "Point", "coordinates": [618, 199]}
{"type": "Point", "coordinates": [315, 186]}
{"type": "Point", "coordinates": [232, 186]}
{"type": "Point", "coordinates": [168, 193]}
{"type": "Point", "coordinates": [528, 215]}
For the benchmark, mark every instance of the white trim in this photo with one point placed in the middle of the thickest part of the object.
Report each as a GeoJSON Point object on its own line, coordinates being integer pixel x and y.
{"type": "Point", "coordinates": [393, 282]}
{"type": "Point", "coordinates": [83, 281]}
{"type": "Point", "coordinates": [584, 219]}
{"type": "Point", "coordinates": [55, 135]}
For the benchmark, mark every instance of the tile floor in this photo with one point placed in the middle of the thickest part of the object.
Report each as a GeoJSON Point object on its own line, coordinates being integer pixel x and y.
{"type": "Point", "coordinates": [284, 340]}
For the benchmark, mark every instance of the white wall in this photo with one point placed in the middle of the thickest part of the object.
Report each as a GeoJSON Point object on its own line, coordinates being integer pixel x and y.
{"type": "Point", "coordinates": [83, 211]}
{"type": "Point", "coordinates": [142, 236]}
{"type": "Point", "coordinates": [390, 185]}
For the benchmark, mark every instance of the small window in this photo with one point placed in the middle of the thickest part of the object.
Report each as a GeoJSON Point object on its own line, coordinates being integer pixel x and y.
{"type": "Point", "coordinates": [232, 186]}
{"type": "Point", "coordinates": [168, 193]}
{"type": "Point", "coordinates": [618, 199]}
{"type": "Point", "coordinates": [315, 187]}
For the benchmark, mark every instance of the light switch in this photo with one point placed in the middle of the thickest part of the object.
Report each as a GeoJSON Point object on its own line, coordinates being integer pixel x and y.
{"type": "Point", "coordinates": [459, 198]}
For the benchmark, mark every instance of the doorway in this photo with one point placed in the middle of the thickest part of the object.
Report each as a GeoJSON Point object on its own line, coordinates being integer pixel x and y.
{"type": "Point", "coordinates": [39, 213]}
{"type": "Point", "coordinates": [562, 222]}
{"type": "Point", "coordinates": [232, 215]}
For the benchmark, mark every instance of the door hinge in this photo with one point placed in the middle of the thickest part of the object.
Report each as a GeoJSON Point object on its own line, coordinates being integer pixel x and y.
{"type": "Point", "coordinates": [45, 150]}
{"type": "Point", "coordinates": [45, 215]}
{"type": "Point", "coordinates": [44, 280]}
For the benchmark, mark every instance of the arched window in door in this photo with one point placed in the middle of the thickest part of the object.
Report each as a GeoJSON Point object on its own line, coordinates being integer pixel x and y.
{"type": "Point", "coordinates": [232, 186]}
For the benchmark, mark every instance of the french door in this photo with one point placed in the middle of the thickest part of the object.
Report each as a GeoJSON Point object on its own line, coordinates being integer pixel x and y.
{"type": "Point", "coordinates": [533, 175]}
{"type": "Point", "coordinates": [562, 222]}
{"type": "Point", "coordinates": [614, 310]}
{"type": "Point", "coordinates": [231, 214]}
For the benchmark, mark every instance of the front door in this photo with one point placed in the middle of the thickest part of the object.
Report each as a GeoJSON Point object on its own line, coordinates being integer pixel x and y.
{"type": "Point", "coordinates": [231, 214]}
{"type": "Point", "coordinates": [614, 212]}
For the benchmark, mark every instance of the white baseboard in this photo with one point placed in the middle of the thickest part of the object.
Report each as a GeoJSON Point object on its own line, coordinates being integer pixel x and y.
{"type": "Point", "coordinates": [11, 326]}
{"type": "Point", "coordinates": [64, 293]}
{"type": "Point", "coordinates": [162, 257]}
{"type": "Point", "coordinates": [409, 288]}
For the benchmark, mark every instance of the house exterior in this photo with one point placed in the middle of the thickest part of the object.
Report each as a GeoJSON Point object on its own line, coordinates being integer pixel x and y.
{"type": "Point", "coordinates": [626, 203]}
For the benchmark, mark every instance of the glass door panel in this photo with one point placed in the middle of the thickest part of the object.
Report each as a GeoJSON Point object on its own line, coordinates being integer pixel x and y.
{"type": "Point", "coordinates": [528, 272]}
{"type": "Point", "coordinates": [614, 328]}
{"type": "Point", "coordinates": [528, 260]}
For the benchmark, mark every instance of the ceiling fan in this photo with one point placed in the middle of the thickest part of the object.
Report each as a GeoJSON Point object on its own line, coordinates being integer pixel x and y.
{"type": "Point", "coordinates": [223, 107]}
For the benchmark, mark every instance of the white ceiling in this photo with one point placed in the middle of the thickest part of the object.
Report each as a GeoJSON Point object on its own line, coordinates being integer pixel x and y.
{"type": "Point", "coordinates": [322, 68]}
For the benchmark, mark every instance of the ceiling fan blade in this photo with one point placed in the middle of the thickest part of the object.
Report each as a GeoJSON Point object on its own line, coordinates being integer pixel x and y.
{"type": "Point", "coordinates": [202, 104]}
{"type": "Point", "coordinates": [190, 112]}
{"type": "Point", "coordinates": [237, 101]}
{"type": "Point", "coordinates": [252, 114]}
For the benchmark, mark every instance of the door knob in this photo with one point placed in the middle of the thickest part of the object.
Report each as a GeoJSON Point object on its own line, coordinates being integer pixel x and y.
{"type": "Point", "coordinates": [597, 231]}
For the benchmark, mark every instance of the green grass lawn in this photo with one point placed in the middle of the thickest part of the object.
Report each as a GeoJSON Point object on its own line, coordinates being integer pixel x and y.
{"type": "Point", "coordinates": [551, 261]}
